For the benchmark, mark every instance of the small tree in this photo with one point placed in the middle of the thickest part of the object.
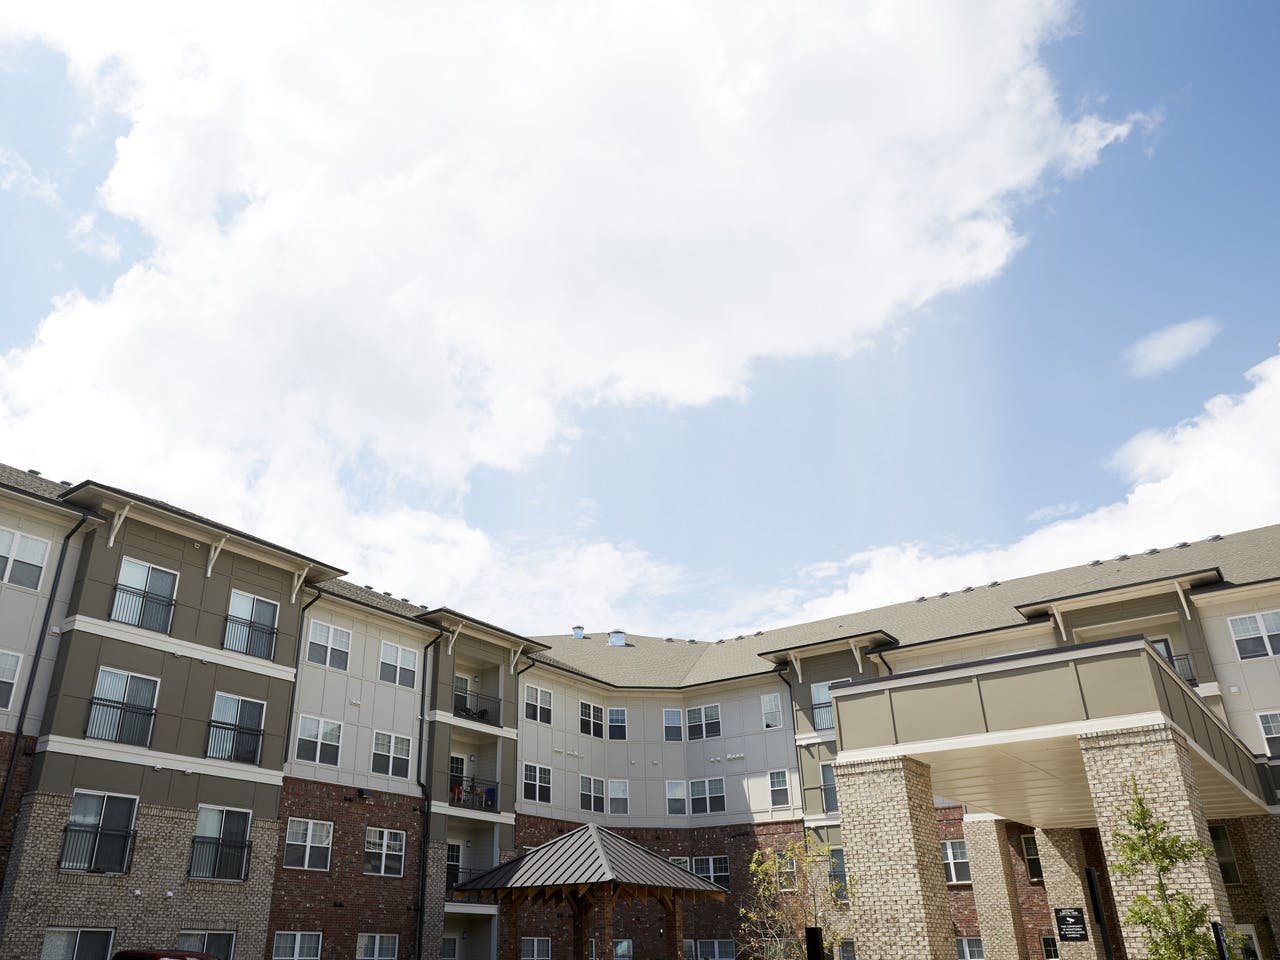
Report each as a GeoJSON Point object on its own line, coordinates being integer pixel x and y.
{"type": "Point", "coordinates": [1174, 926]}
{"type": "Point", "coordinates": [790, 889]}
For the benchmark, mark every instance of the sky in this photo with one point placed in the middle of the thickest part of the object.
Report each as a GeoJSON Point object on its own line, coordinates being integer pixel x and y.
{"type": "Point", "coordinates": [688, 321]}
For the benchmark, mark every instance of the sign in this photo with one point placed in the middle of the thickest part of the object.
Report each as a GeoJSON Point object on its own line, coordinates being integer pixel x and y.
{"type": "Point", "coordinates": [1071, 925]}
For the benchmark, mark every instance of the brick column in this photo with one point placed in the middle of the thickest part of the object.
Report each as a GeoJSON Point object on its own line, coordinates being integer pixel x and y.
{"type": "Point", "coordinates": [1063, 863]}
{"type": "Point", "coordinates": [1262, 834]}
{"type": "Point", "coordinates": [604, 949]}
{"type": "Point", "coordinates": [509, 931]}
{"type": "Point", "coordinates": [1159, 758]}
{"type": "Point", "coordinates": [673, 932]}
{"type": "Point", "coordinates": [994, 893]}
{"type": "Point", "coordinates": [892, 854]}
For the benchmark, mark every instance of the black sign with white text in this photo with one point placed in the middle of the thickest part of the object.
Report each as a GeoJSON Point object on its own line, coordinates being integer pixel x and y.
{"type": "Point", "coordinates": [1071, 925]}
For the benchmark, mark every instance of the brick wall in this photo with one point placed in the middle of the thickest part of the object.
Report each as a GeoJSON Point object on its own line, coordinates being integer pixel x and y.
{"type": "Point", "coordinates": [17, 789]}
{"type": "Point", "coordinates": [1032, 904]}
{"type": "Point", "coordinates": [964, 908]}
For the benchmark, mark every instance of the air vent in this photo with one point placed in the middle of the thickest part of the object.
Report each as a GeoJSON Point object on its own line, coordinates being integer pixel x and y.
{"type": "Point", "coordinates": [994, 583]}
{"type": "Point", "coordinates": [1122, 556]}
{"type": "Point", "coordinates": [1153, 550]}
{"type": "Point", "coordinates": [617, 638]}
{"type": "Point", "coordinates": [967, 590]}
{"type": "Point", "coordinates": [1181, 544]}
{"type": "Point", "coordinates": [1215, 538]}
{"type": "Point", "coordinates": [921, 599]}
{"type": "Point", "coordinates": [579, 632]}
{"type": "Point", "coordinates": [944, 593]}
{"type": "Point", "coordinates": [34, 473]}
{"type": "Point", "coordinates": [1095, 563]}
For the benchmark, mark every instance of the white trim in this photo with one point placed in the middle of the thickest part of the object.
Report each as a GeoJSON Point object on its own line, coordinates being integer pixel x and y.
{"type": "Point", "coordinates": [320, 741]}
{"type": "Point", "coordinates": [446, 716]}
{"type": "Point", "coordinates": [17, 672]}
{"type": "Point", "coordinates": [1235, 594]}
{"type": "Point", "coordinates": [448, 811]}
{"type": "Point", "coordinates": [179, 648]}
{"type": "Point", "coordinates": [373, 750]}
{"type": "Point", "coordinates": [215, 548]}
{"type": "Point", "coordinates": [480, 909]}
{"type": "Point", "coordinates": [141, 756]}
{"type": "Point", "coordinates": [981, 817]}
{"type": "Point", "coordinates": [815, 738]}
{"type": "Point", "coordinates": [116, 520]}
{"type": "Point", "coordinates": [826, 820]}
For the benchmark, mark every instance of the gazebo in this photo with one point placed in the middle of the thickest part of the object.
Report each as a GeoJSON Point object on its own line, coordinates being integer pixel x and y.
{"type": "Point", "coordinates": [592, 868]}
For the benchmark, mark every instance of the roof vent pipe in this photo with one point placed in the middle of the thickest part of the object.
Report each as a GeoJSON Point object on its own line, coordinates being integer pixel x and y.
{"type": "Point", "coordinates": [579, 632]}
{"type": "Point", "coordinates": [617, 638]}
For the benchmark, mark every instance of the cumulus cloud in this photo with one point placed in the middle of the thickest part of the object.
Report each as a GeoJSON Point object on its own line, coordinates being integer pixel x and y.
{"type": "Point", "coordinates": [1053, 511]}
{"type": "Point", "coordinates": [17, 177]}
{"type": "Point", "coordinates": [1162, 350]}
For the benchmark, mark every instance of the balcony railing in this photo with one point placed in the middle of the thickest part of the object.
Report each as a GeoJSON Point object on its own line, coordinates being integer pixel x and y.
{"type": "Point", "coordinates": [247, 636]}
{"type": "Point", "coordinates": [476, 706]}
{"type": "Point", "coordinates": [121, 722]}
{"type": "Point", "coordinates": [471, 793]}
{"type": "Point", "coordinates": [823, 718]}
{"type": "Point", "coordinates": [96, 850]}
{"type": "Point", "coordinates": [150, 611]}
{"type": "Point", "coordinates": [1181, 663]}
{"type": "Point", "coordinates": [454, 875]}
{"type": "Point", "coordinates": [213, 858]}
{"type": "Point", "coordinates": [829, 802]}
{"type": "Point", "coordinates": [230, 741]}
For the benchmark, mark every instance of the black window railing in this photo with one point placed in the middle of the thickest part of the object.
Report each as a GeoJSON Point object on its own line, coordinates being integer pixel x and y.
{"type": "Point", "coordinates": [823, 718]}
{"type": "Point", "coordinates": [829, 802]}
{"type": "Point", "coordinates": [839, 885]}
{"type": "Point", "coordinates": [250, 637]}
{"type": "Point", "coordinates": [230, 741]}
{"type": "Point", "coordinates": [95, 849]}
{"type": "Point", "coordinates": [1182, 666]}
{"type": "Point", "coordinates": [477, 706]}
{"type": "Point", "coordinates": [138, 608]}
{"type": "Point", "coordinates": [121, 722]}
{"type": "Point", "coordinates": [471, 793]}
{"type": "Point", "coordinates": [454, 875]}
{"type": "Point", "coordinates": [213, 858]}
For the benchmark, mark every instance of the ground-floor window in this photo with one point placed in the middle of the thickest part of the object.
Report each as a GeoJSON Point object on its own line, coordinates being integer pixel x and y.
{"type": "Point", "coordinates": [449, 948]}
{"type": "Point", "coordinates": [76, 944]}
{"type": "Point", "coordinates": [969, 948]}
{"type": "Point", "coordinates": [377, 946]}
{"type": "Point", "coordinates": [1222, 849]}
{"type": "Point", "coordinates": [296, 946]}
{"type": "Point", "coordinates": [622, 950]}
{"type": "Point", "coordinates": [1049, 947]}
{"type": "Point", "coordinates": [222, 944]}
{"type": "Point", "coordinates": [537, 948]}
{"type": "Point", "coordinates": [708, 950]}
{"type": "Point", "coordinates": [846, 950]}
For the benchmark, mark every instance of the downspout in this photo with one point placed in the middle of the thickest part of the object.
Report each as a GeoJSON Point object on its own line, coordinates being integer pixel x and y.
{"type": "Point", "coordinates": [426, 798]}
{"type": "Point", "coordinates": [791, 699]}
{"type": "Point", "coordinates": [35, 664]}
{"type": "Point", "coordinates": [297, 676]}
{"type": "Point", "coordinates": [880, 654]}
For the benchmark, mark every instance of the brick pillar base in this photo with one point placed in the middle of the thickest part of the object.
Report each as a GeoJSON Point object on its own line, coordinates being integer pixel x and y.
{"type": "Point", "coordinates": [994, 893]}
{"type": "Point", "coordinates": [892, 855]}
{"type": "Point", "coordinates": [1262, 834]}
{"type": "Point", "coordinates": [1063, 863]}
{"type": "Point", "coordinates": [673, 930]}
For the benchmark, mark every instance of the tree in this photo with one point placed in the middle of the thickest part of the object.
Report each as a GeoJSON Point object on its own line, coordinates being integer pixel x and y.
{"type": "Point", "coordinates": [790, 889]}
{"type": "Point", "coordinates": [1175, 926]}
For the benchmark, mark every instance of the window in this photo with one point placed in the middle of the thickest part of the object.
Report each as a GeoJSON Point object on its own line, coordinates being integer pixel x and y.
{"type": "Point", "coordinates": [123, 707]}
{"type": "Point", "coordinates": [714, 950]}
{"type": "Point", "coordinates": [329, 646]}
{"type": "Point", "coordinates": [296, 946]}
{"type": "Point", "coordinates": [22, 559]}
{"type": "Point", "coordinates": [968, 948]}
{"type": "Point", "coordinates": [535, 948]}
{"type": "Point", "coordinates": [955, 861]}
{"type": "Point", "coordinates": [377, 946]}
{"type": "Point", "coordinates": [771, 708]}
{"type": "Point", "coordinates": [99, 834]}
{"type": "Point", "coordinates": [706, 796]}
{"type": "Point", "coordinates": [399, 665]}
{"type": "Point", "coordinates": [251, 625]}
{"type": "Point", "coordinates": [9, 664]}
{"type": "Point", "coordinates": [1271, 730]}
{"type": "Point", "coordinates": [76, 944]}
{"type": "Point", "coordinates": [619, 797]}
{"type": "Point", "coordinates": [830, 803]}
{"type": "Point", "coordinates": [235, 731]}
{"type": "Point", "coordinates": [591, 794]}
{"type": "Point", "coordinates": [1049, 947]}
{"type": "Point", "coordinates": [672, 725]}
{"type": "Point", "coordinates": [715, 869]}
{"type": "Point", "coordinates": [820, 698]}
{"type": "Point", "coordinates": [1252, 634]}
{"type": "Point", "coordinates": [537, 704]}
{"type": "Point", "coordinates": [676, 798]}
{"type": "Point", "coordinates": [449, 948]}
{"type": "Point", "coordinates": [617, 723]}
{"type": "Point", "coordinates": [221, 944]}
{"type": "Point", "coordinates": [1032, 855]}
{"type": "Point", "coordinates": [144, 595]}
{"type": "Point", "coordinates": [537, 783]}
{"type": "Point", "coordinates": [220, 850]}
{"type": "Point", "coordinates": [622, 950]}
{"type": "Point", "coordinates": [839, 880]}
{"type": "Point", "coordinates": [779, 792]}
{"type": "Point", "coordinates": [319, 741]}
{"type": "Point", "coordinates": [384, 852]}
{"type": "Point", "coordinates": [390, 754]}
{"type": "Point", "coordinates": [452, 864]}
{"type": "Point", "coordinates": [307, 844]}
{"type": "Point", "coordinates": [704, 721]}
{"type": "Point", "coordinates": [1223, 850]}
{"type": "Point", "coordinates": [847, 951]}
{"type": "Point", "coordinates": [680, 861]}
{"type": "Point", "coordinates": [591, 719]}
{"type": "Point", "coordinates": [786, 872]}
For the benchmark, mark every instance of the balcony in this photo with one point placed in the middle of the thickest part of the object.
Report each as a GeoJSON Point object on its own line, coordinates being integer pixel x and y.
{"type": "Point", "coordinates": [230, 741]}
{"type": "Point", "coordinates": [93, 849]}
{"type": "Point", "coordinates": [822, 716]}
{"type": "Point", "coordinates": [213, 858]}
{"type": "Point", "coordinates": [478, 707]}
{"type": "Point", "coordinates": [455, 875]}
{"type": "Point", "coordinates": [471, 793]}
{"type": "Point", "coordinates": [138, 608]}
{"type": "Point", "coordinates": [120, 722]}
{"type": "Point", "coordinates": [829, 802]}
{"type": "Point", "coordinates": [250, 637]}
{"type": "Point", "coordinates": [1181, 664]}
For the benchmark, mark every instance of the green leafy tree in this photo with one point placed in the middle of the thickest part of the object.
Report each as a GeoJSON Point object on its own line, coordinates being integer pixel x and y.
{"type": "Point", "coordinates": [790, 889]}
{"type": "Point", "coordinates": [1174, 925]}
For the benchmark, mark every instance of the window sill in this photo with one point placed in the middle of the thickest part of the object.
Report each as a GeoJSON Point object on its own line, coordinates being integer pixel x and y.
{"type": "Point", "coordinates": [959, 883]}
{"type": "Point", "coordinates": [305, 869]}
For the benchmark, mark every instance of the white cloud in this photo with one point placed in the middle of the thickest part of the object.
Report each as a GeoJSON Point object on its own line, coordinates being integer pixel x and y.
{"type": "Point", "coordinates": [1162, 350]}
{"type": "Point", "coordinates": [89, 238]}
{"type": "Point", "coordinates": [1053, 511]}
{"type": "Point", "coordinates": [17, 177]}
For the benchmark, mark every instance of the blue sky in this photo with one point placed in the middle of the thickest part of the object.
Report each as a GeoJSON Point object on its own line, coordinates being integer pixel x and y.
{"type": "Point", "coordinates": [550, 400]}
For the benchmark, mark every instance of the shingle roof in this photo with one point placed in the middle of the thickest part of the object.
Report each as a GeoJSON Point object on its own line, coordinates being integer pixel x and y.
{"type": "Point", "coordinates": [369, 597]}
{"type": "Point", "coordinates": [29, 482]}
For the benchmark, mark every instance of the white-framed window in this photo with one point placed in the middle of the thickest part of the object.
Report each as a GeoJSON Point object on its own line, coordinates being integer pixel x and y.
{"type": "Point", "coordinates": [711, 949]}
{"type": "Point", "coordinates": [535, 948]}
{"type": "Point", "coordinates": [839, 879]}
{"type": "Point", "coordinates": [715, 869]}
{"type": "Point", "coordinates": [10, 664]}
{"type": "Point", "coordinates": [591, 794]}
{"type": "Point", "coordinates": [329, 646]}
{"type": "Point", "coordinates": [787, 880]}
{"type": "Point", "coordinates": [591, 719]}
{"type": "Point", "coordinates": [449, 948]}
{"type": "Point", "coordinates": [703, 722]}
{"type": "Point", "coordinates": [144, 595]}
{"type": "Point", "coordinates": [955, 861]}
{"type": "Point", "coordinates": [1049, 947]}
{"type": "Point", "coordinates": [383, 852]}
{"type": "Point", "coordinates": [22, 558]}
{"type": "Point", "coordinates": [220, 943]}
{"type": "Point", "coordinates": [847, 951]}
{"type": "Point", "coordinates": [537, 704]}
{"type": "Point", "coordinates": [1252, 634]}
{"type": "Point", "coordinates": [680, 861]}
{"type": "Point", "coordinates": [377, 946]}
{"type": "Point", "coordinates": [67, 944]}
{"type": "Point", "coordinates": [398, 665]}
{"type": "Point", "coordinates": [123, 708]}
{"type": "Point", "coordinates": [830, 800]}
{"type": "Point", "coordinates": [771, 710]}
{"type": "Point", "coordinates": [537, 783]}
{"type": "Point", "coordinates": [622, 950]}
{"type": "Point", "coordinates": [676, 804]}
{"type": "Point", "coordinates": [1031, 853]}
{"type": "Point", "coordinates": [292, 945]}
{"type": "Point", "coordinates": [220, 850]}
{"type": "Point", "coordinates": [619, 797]}
{"type": "Point", "coordinates": [307, 844]}
{"type": "Point", "coordinates": [99, 832]}
{"type": "Point", "coordinates": [706, 796]}
{"type": "Point", "coordinates": [1270, 723]}
{"type": "Point", "coordinates": [391, 754]}
{"type": "Point", "coordinates": [969, 948]}
{"type": "Point", "coordinates": [779, 790]}
{"type": "Point", "coordinates": [251, 625]}
{"type": "Point", "coordinates": [673, 724]}
{"type": "Point", "coordinates": [1224, 852]}
{"type": "Point", "coordinates": [617, 723]}
{"type": "Point", "coordinates": [235, 728]}
{"type": "Point", "coordinates": [319, 740]}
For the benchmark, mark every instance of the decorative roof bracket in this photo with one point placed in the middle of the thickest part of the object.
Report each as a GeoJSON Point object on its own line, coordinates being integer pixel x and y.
{"type": "Point", "coordinates": [116, 519]}
{"type": "Point", "coordinates": [298, 577]}
{"type": "Point", "coordinates": [214, 550]}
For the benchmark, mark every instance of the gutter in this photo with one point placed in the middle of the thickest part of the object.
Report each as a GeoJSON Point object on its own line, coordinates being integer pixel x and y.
{"type": "Point", "coordinates": [419, 946]}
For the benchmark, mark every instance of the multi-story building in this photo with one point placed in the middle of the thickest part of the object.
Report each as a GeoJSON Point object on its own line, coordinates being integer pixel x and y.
{"type": "Point", "coordinates": [214, 742]}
